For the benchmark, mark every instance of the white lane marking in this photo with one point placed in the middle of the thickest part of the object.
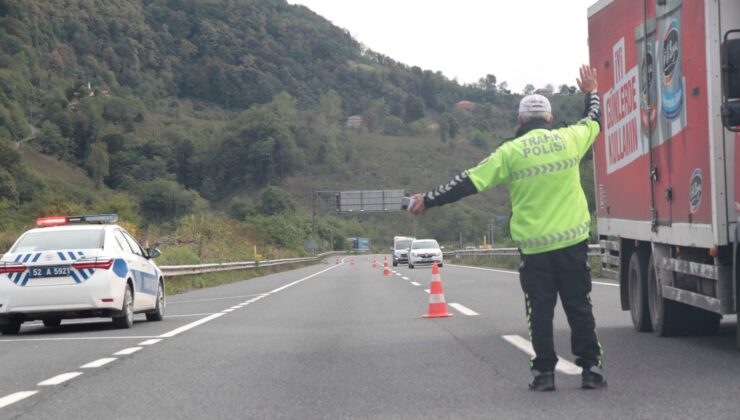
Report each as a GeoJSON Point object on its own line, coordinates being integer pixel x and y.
{"type": "Point", "coordinates": [220, 314]}
{"type": "Point", "coordinates": [235, 307]}
{"type": "Point", "coordinates": [15, 397]}
{"type": "Point", "coordinates": [191, 325]}
{"type": "Point", "coordinates": [178, 302]}
{"type": "Point", "coordinates": [605, 284]}
{"type": "Point", "coordinates": [64, 377]}
{"type": "Point", "coordinates": [427, 290]}
{"type": "Point", "coordinates": [398, 274]}
{"type": "Point", "coordinates": [150, 342]}
{"type": "Point", "coordinates": [484, 269]}
{"type": "Point", "coordinates": [405, 278]}
{"type": "Point", "coordinates": [125, 337]}
{"type": "Point", "coordinates": [464, 309]}
{"type": "Point", "coordinates": [98, 363]}
{"type": "Point", "coordinates": [226, 311]}
{"type": "Point", "coordinates": [517, 273]}
{"type": "Point", "coordinates": [125, 352]}
{"type": "Point", "coordinates": [279, 289]}
{"type": "Point", "coordinates": [415, 283]}
{"type": "Point", "coordinates": [187, 315]}
{"type": "Point", "coordinates": [526, 346]}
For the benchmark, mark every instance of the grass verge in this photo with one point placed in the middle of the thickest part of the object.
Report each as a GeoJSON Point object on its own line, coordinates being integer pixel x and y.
{"type": "Point", "coordinates": [181, 284]}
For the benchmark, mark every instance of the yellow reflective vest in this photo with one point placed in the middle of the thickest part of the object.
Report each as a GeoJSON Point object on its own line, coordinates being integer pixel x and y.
{"type": "Point", "coordinates": [541, 170]}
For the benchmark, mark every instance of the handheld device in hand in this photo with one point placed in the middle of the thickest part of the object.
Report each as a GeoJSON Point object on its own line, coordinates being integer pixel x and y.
{"type": "Point", "coordinates": [406, 203]}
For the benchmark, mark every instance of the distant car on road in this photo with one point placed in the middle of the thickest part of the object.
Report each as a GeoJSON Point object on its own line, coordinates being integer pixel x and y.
{"type": "Point", "coordinates": [78, 267]}
{"type": "Point", "coordinates": [425, 251]}
{"type": "Point", "coordinates": [400, 249]}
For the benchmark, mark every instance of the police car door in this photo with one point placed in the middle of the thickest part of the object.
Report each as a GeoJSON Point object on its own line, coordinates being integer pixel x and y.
{"type": "Point", "coordinates": [143, 273]}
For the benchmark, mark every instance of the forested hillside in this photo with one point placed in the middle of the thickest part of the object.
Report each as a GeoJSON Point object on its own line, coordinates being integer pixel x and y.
{"type": "Point", "coordinates": [231, 111]}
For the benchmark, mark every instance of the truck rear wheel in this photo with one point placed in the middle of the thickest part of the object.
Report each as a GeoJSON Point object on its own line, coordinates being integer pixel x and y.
{"type": "Point", "coordinates": [638, 295]}
{"type": "Point", "coordinates": [702, 322]}
{"type": "Point", "coordinates": [666, 316]}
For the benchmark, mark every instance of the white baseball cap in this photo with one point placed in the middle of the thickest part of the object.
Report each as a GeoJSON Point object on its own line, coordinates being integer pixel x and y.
{"type": "Point", "coordinates": [534, 103]}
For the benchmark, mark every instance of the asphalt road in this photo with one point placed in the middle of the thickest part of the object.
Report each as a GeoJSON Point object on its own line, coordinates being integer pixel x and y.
{"type": "Point", "coordinates": [341, 341]}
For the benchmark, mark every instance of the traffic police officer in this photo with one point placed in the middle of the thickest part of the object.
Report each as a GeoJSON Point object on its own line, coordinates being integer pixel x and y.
{"type": "Point", "coordinates": [550, 222]}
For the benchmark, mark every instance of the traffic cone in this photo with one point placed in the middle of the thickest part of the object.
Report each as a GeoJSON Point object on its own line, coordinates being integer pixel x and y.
{"type": "Point", "coordinates": [337, 261]}
{"type": "Point", "coordinates": [352, 261]}
{"type": "Point", "coordinates": [386, 271]}
{"type": "Point", "coordinates": [437, 304]}
{"type": "Point", "coordinates": [375, 262]}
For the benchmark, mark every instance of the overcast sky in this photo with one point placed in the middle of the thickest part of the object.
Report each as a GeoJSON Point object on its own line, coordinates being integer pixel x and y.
{"type": "Point", "coordinates": [519, 41]}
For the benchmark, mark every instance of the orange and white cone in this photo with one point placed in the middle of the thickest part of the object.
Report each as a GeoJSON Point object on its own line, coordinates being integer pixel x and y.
{"type": "Point", "coordinates": [337, 261]}
{"type": "Point", "coordinates": [352, 261]}
{"type": "Point", "coordinates": [386, 271]}
{"type": "Point", "coordinates": [375, 262]}
{"type": "Point", "coordinates": [437, 304]}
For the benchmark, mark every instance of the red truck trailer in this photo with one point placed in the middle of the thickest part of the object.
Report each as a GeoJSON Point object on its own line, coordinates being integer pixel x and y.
{"type": "Point", "coordinates": [665, 163]}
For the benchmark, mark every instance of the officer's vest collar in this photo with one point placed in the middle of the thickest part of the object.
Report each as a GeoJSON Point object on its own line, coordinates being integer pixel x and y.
{"type": "Point", "coordinates": [532, 125]}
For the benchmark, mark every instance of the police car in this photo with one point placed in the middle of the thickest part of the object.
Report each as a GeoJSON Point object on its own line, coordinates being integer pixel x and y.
{"type": "Point", "coordinates": [78, 267]}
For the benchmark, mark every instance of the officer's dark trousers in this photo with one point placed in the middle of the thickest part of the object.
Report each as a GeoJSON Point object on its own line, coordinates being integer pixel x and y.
{"type": "Point", "coordinates": [544, 276]}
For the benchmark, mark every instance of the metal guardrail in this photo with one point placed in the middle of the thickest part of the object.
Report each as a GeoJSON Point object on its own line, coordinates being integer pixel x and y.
{"type": "Point", "coordinates": [593, 251]}
{"type": "Point", "coordinates": [184, 270]}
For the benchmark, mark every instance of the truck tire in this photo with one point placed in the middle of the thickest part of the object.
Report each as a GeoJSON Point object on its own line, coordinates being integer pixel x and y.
{"type": "Point", "coordinates": [703, 322]}
{"type": "Point", "coordinates": [13, 327]}
{"type": "Point", "coordinates": [637, 290]}
{"type": "Point", "coordinates": [668, 318]}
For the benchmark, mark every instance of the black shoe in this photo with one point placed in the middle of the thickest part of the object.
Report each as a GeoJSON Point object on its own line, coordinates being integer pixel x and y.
{"type": "Point", "coordinates": [543, 381]}
{"type": "Point", "coordinates": [593, 378]}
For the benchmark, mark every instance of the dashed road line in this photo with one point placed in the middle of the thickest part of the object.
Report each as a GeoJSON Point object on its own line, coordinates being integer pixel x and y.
{"type": "Point", "coordinates": [226, 311]}
{"type": "Point", "coordinates": [405, 278]}
{"type": "Point", "coordinates": [150, 342]}
{"type": "Point", "coordinates": [59, 379]}
{"type": "Point", "coordinates": [126, 352]}
{"type": "Point", "coordinates": [15, 397]}
{"type": "Point", "coordinates": [427, 290]}
{"type": "Point", "coordinates": [98, 363]}
{"type": "Point", "coordinates": [415, 283]}
{"type": "Point", "coordinates": [526, 346]}
{"type": "Point", "coordinates": [464, 309]}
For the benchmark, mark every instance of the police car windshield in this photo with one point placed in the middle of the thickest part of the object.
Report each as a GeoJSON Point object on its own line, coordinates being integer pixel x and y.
{"type": "Point", "coordinates": [424, 244]}
{"type": "Point", "coordinates": [403, 243]}
{"type": "Point", "coordinates": [59, 241]}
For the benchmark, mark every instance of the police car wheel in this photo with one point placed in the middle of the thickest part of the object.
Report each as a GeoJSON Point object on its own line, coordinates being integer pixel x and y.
{"type": "Point", "coordinates": [52, 322]}
{"type": "Point", "coordinates": [395, 263]}
{"type": "Point", "coordinates": [11, 328]}
{"type": "Point", "coordinates": [126, 319]}
{"type": "Point", "coordinates": [411, 265]}
{"type": "Point", "coordinates": [158, 313]}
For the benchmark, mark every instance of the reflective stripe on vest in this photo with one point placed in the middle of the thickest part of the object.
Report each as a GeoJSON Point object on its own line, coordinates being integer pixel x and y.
{"type": "Point", "coordinates": [556, 237]}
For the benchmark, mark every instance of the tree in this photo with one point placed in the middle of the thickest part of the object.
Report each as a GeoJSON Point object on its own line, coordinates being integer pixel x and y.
{"type": "Point", "coordinates": [8, 190]}
{"type": "Point", "coordinates": [564, 90]}
{"type": "Point", "coordinates": [453, 127]}
{"type": "Point", "coordinates": [99, 163]}
{"type": "Point", "coordinates": [414, 108]}
{"type": "Point", "coordinates": [275, 201]}
{"type": "Point", "coordinates": [162, 200]}
{"type": "Point", "coordinates": [52, 142]}
{"type": "Point", "coordinates": [529, 89]}
{"type": "Point", "coordinates": [503, 87]}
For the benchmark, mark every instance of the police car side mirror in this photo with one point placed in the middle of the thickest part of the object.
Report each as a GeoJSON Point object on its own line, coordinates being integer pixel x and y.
{"type": "Point", "coordinates": [153, 252]}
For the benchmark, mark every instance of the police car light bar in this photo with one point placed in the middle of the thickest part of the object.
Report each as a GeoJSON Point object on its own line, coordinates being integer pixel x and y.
{"type": "Point", "coordinates": [51, 221]}
{"type": "Point", "coordinates": [63, 220]}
